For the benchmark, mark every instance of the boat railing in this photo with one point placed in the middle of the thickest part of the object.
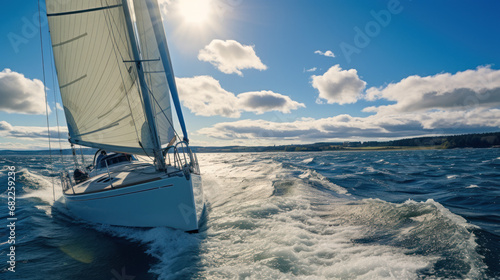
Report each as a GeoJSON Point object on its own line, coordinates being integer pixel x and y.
{"type": "Point", "coordinates": [66, 182]}
{"type": "Point", "coordinates": [182, 157]}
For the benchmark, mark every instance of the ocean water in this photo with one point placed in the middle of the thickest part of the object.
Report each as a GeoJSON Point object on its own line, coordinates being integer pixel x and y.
{"type": "Point", "coordinates": [432, 214]}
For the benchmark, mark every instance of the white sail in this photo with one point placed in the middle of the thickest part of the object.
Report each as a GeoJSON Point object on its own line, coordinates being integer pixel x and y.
{"type": "Point", "coordinates": [97, 75]}
{"type": "Point", "coordinates": [154, 73]}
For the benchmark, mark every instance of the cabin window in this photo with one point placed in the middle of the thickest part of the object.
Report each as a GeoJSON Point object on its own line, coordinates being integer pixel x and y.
{"type": "Point", "coordinates": [114, 159]}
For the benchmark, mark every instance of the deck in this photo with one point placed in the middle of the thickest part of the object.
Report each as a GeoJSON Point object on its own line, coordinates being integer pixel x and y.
{"type": "Point", "coordinates": [120, 176]}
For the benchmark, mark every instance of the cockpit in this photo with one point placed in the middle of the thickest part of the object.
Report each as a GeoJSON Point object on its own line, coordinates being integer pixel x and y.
{"type": "Point", "coordinates": [103, 160]}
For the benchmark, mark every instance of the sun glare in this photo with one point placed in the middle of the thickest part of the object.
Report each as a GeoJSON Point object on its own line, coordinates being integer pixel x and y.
{"type": "Point", "coordinates": [195, 11]}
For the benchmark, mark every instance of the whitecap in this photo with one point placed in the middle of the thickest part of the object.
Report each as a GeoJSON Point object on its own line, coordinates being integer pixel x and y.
{"type": "Point", "coordinates": [370, 169]}
{"type": "Point", "coordinates": [39, 186]}
{"type": "Point", "coordinates": [315, 177]}
{"type": "Point", "coordinates": [307, 160]}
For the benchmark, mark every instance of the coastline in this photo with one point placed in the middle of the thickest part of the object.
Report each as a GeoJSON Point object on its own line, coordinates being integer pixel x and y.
{"type": "Point", "coordinates": [478, 140]}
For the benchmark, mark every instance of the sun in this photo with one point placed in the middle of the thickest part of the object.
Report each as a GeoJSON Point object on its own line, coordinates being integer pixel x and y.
{"type": "Point", "coordinates": [195, 11]}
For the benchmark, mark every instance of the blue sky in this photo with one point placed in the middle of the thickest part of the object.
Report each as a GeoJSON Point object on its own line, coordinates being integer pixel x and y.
{"type": "Point", "coordinates": [280, 72]}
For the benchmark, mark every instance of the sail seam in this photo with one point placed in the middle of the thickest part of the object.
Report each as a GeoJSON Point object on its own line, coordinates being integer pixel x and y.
{"type": "Point", "coordinates": [142, 60]}
{"type": "Point", "coordinates": [70, 40]}
{"type": "Point", "coordinates": [83, 11]}
{"type": "Point", "coordinates": [72, 82]}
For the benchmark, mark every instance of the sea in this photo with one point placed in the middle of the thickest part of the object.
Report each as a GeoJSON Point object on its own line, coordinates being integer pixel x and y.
{"type": "Point", "coordinates": [415, 214]}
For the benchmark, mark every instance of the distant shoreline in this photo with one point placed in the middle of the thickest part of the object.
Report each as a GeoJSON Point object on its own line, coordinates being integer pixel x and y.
{"type": "Point", "coordinates": [479, 140]}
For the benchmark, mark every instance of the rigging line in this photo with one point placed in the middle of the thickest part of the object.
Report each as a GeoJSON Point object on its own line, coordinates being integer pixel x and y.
{"type": "Point", "coordinates": [146, 50]}
{"type": "Point", "coordinates": [138, 65]}
{"type": "Point", "coordinates": [147, 66]}
{"type": "Point", "coordinates": [121, 75]}
{"type": "Point", "coordinates": [163, 111]}
{"type": "Point", "coordinates": [115, 48]}
{"type": "Point", "coordinates": [55, 100]}
{"type": "Point", "coordinates": [83, 158]}
{"type": "Point", "coordinates": [46, 101]}
{"type": "Point", "coordinates": [151, 158]}
{"type": "Point", "coordinates": [111, 22]}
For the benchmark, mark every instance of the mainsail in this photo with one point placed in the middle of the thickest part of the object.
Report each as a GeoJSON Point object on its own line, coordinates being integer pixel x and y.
{"type": "Point", "coordinates": [98, 77]}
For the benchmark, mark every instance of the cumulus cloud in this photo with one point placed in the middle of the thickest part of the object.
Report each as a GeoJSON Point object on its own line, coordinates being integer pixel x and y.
{"type": "Point", "coordinates": [328, 53]}
{"type": "Point", "coordinates": [465, 102]}
{"type": "Point", "coordinates": [19, 94]}
{"type": "Point", "coordinates": [265, 101]}
{"type": "Point", "coordinates": [348, 127]}
{"type": "Point", "coordinates": [27, 146]}
{"type": "Point", "coordinates": [460, 91]}
{"type": "Point", "coordinates": [230, 56]}
{"type": "Point", "coordinates": [5, 126]}
{"type": "Point", "coordinates": [204, 96]}
{"type": "Point", "coordinates": [342, 126]}
{"type": "Point", "coordinates": [31, 132]}
{"type": "Point", "coordinates": [339, 86]}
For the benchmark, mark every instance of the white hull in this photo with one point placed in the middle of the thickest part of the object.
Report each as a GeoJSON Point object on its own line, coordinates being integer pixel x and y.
{"type": "Point", "coordinates": [174, 202]}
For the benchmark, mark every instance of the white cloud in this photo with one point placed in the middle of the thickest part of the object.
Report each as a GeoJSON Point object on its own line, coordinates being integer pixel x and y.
{"type": "Point", "coordinates": [59, 106]}
{"type": "Point", "coordinates": [31, 132]}
{"type": "Point", "coordinates": [265, 101]}
{"type": "Point", "coordinates": [310, 69]}
{"type": "Point", "coordinates": [345, 127]}
{"type": "Point", "coordinates": [479, 88]}
{"type": "Point", "coordinates": [465, 102]}
{"type": "Point", "coordinates": [19, 94]}
{"type": "Point", "coordinates": [5, 126]}
{"type": "Point", "coordinates": [230, 56]}
{"type": "Point", "coordinates": [16, 146]}
{"type": "Point", "coordinates": [339, 86]}
{"type": "Point", "coordinates": [327, 53]}
{"type": "Point", "coordinates": [204, 96]}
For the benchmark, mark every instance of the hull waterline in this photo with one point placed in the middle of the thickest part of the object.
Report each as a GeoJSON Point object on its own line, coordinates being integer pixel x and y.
{"type": "Point", "coordinates": [174, 202]}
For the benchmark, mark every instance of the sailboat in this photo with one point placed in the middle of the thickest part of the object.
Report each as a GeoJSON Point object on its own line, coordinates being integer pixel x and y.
{"type": "Point", "coordinates": [116, 82]}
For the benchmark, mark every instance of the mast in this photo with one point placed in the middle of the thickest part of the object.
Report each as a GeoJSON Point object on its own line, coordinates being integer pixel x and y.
{"type": "Point", "coordinates": [161, 40]}
{"type": "Point", "coordinates": [160, 162]}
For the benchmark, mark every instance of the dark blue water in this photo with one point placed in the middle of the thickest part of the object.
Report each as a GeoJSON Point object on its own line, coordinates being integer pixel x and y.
{"type": "Point", "coordinates": [430, 214]}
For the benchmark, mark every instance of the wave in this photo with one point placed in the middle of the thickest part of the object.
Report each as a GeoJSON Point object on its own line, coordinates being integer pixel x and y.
{"type": "Point", "coordinates": [279, 224]}
{"type": "Point", "coordinates": [307, 160]}
{"type": "Point", "coordinates": [35, 185]}
{"type": "Point", "coordinates": [427, 231]}
{"type": "Point", "coordinates": [271, 216]}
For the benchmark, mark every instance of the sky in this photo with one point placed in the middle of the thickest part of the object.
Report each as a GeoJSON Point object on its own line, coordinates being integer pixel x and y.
{"type": "Point", "coordinates": [255, 72]}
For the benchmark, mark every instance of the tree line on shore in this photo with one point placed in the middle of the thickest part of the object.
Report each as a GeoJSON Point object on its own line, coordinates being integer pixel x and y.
{"type": "Point", "coordinates": [478, 140]}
